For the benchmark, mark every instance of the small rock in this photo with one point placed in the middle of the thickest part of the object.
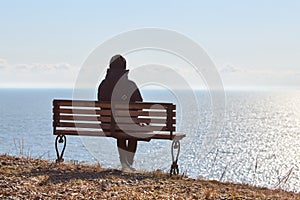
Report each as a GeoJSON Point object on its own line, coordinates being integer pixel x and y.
{"type": "Point", "coordinates": [156, 187]}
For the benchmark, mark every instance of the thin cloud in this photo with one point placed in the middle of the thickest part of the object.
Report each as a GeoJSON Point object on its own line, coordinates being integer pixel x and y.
{"type": "Point", "coordinates": [39, 67]}
{"type": "Point", "coordinates": [229, 69]}
{"type": "Point", "coordinates": [22, 67]}
{"type": "Point", "coordinates": [3, 63]}
{"type": "Point", "coordinates": [259, 77]}
{"type": "Point", "coordinates": [62, 66]}
{"type": "Point", "coordinates": [38, 74]}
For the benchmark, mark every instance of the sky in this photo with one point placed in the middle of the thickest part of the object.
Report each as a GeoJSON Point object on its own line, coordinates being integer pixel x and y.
{"type": "Point", "coordinates": [254, 44]}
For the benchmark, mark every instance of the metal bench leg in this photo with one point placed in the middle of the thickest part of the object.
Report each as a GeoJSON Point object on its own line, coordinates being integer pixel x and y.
{"type": "Point", "coordinates": [174, 167]}
{"type": "Point", "coordinates": [60, 139]}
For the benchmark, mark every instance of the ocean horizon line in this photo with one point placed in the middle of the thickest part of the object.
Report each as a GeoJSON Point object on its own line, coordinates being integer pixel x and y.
{"type": "Point", "coordinates": [229, 89]}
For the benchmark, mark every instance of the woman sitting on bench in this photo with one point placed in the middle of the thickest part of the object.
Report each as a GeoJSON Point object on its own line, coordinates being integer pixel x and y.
{"type": "Point", "coordinates": [129, 92]}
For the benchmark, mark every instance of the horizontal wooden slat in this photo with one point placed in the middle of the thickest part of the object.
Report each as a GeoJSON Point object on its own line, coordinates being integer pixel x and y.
{"type": "Point", "coordinates": [137, 128]}
{"type": "Point", "coordinates": [136, 105]}
{"type": "Point", "coordinates": [81, 103]}
{"type": "Point", "coordinates": [123, 126]}
{"type": "Point", "coordinates": [78, 111]}
{"type": "Point", "coordinates": [129, 120]}
{"type": "Point", "coordinates": [81, 132]}
{"type": "Point", "coordinates": [123, 120]}
{"type": "Point", "coordinates": [153, 106]}
{"type": "Point", "coordinates": [177, 136]}
{"type": "Point", "coordinates": [150, 135]}
{"type": "Point", "coordinates": [142, 136]}
{"type": "Point", "coordinates": [78, 118]}
{"type": "Point", "coordinates": [79, 125]}
{"type": "Point", "coordinates": [120, 127]}
{"type": "Point", "coordinates": [104, 112]}
{"type": "Point", "coordinates": [121, 113]}
{"type": "Point", "coordinates": [118, 113]}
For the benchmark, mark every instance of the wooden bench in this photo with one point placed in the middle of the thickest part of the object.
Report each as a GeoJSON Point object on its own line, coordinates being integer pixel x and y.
{"type": "Point", "coordinates": [143, 121]}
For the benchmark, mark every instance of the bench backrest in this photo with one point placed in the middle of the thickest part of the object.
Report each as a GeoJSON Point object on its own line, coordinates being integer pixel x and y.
{"type": "Point", "coordinates": [77, 117]}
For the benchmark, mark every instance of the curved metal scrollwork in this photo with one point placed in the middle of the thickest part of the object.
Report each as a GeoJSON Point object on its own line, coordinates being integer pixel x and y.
{"type": "Point", "coordinates": [174, 166]}
{"type": "Point", "coordinates": [60, 139]}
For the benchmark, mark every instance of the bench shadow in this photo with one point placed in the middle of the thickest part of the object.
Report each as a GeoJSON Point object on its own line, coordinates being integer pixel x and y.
{"type": "Point", "coordinates": [58, 175]}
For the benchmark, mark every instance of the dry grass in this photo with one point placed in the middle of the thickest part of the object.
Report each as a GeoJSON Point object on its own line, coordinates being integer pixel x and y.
{"type": "Point", "coordinates": [26, 178]}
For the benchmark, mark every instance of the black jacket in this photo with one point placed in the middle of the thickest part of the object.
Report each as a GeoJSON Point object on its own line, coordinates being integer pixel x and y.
{"type": "Point", "coordinates": [125, 88]}
{"type": "Point", "coordinates": [125, 91]}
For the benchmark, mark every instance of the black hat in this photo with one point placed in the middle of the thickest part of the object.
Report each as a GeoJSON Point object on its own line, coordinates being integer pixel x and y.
{"type": "Point", "coordinates": [117, 62]}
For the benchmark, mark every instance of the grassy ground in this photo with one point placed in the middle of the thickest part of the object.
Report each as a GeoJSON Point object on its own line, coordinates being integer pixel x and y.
{"type": "Point", "coordinates": [26, 178]}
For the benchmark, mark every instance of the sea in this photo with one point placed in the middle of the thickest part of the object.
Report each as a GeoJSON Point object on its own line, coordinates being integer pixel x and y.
{"type": "Point", "coordinates": [249, 137]}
